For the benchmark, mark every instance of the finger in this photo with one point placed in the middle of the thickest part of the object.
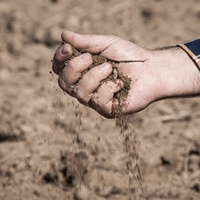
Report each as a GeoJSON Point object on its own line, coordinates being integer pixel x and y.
{"type": "Point", "coordinates": [63, 53]}
{"type": "Point", "coordinates": [71, 73]}
{"type": "Point", "coordinates": [102, 101]}
{"type": "Point", "coordinates": [90, 81]}
{"type": "Point", "coordinates": [89, 43]}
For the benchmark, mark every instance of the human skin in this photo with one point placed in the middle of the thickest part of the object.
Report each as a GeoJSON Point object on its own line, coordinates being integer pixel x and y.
{"type": "Point", "coordinates": [165, 73]}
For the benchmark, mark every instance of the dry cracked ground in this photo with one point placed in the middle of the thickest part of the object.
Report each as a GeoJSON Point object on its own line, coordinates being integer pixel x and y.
{"type": "Point", "coordinates": [53, 148]}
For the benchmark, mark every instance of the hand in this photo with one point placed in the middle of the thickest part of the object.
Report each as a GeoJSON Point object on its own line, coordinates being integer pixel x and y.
{"type": "Point", "coordinates": [163, 74]}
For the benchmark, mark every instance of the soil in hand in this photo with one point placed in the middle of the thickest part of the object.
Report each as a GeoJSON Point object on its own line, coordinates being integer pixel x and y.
{"type": "Point", "coordinates": [98, 59]}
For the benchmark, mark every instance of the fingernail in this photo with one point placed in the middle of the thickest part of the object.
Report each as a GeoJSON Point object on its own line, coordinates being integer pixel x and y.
{"type": "Point", "coordinates": [85, 57]}
{"type": "Point", "coordinates": [64, 49]}
{"type": "Point", "coordinates": [105, 66]}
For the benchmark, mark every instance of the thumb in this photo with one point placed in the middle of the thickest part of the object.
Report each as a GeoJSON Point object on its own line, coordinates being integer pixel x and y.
{"type": "Point", "coordinates": [88, 43]}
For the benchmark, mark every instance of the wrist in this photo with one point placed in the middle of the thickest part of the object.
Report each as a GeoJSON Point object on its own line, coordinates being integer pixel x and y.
{"type": "Point", "coordinates": [192, 49]}
{"type": "Point", "coordinates": [177, 73]}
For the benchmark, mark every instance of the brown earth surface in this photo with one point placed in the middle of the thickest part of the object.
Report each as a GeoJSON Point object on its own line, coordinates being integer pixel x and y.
{"type": "Point", "coordinates": [51, 147]}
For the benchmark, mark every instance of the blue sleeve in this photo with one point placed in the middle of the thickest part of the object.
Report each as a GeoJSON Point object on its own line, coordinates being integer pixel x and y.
{"type": "Point", "coordinates": [192, 48]}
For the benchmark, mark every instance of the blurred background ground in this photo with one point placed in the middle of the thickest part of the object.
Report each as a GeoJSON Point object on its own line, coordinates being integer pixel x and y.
{"type": "Point", "coordinates": [53, 148]}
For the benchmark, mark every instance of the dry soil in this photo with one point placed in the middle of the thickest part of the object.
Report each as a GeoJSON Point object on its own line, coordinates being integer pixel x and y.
{"type": "Point", "coordinates": [51, 147]}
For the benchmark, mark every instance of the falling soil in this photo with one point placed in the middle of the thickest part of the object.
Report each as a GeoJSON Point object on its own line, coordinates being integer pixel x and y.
{"type": "Point", "coordinates": [130, 141]}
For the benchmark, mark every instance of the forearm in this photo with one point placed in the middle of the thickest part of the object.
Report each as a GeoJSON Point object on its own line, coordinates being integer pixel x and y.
{"type": "Point", "coordinates": [178, 73]}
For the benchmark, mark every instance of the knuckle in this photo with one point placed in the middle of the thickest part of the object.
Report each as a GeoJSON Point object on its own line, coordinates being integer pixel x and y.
{"type": "Point", "coordinates": [81, 96]}
{"type": "Point", "coordinates": [72, 64]}
{"type": "Point", "coordinates": [92, 75]}
{"type": "Point", "coordinates": [57, 68]}
{"type": "Point", "coordinates": [102, 108]}
{"type": "Point", "coordinates": [96, 74]}
{"type": "Point", "coordinates": [62, 84]}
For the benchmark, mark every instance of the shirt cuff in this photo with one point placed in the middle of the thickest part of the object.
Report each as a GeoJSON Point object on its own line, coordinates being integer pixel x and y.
{"type": "Point", "coordinates": [192, 48]}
